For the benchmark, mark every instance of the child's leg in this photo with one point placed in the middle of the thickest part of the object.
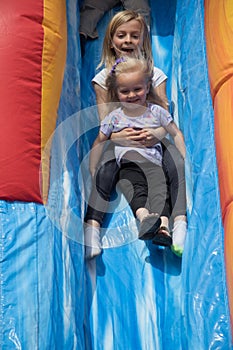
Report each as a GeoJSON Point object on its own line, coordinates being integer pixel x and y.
{"type": "Point", "coordinates": [134, 186]}
{"type": "Point", "coordinates": [163, 236]}
{"type": "Point", "coordinates": [158, 193]}
{"type": "Point", "coordinates": [179, 234]}
{"type": "Point", "coordinates": [103, 185]}
{"type": "Point", "coordinates": [149, 223]}
{"type": "Point", "coordinates": [173, 165]}
{"type": "Point", "coordinates": [158, 200]}
{"type": "Point", "coordinates": [92, 239]}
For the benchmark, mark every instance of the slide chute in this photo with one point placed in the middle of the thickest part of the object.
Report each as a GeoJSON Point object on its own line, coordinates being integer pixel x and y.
{"type": "Point", "coordinates": [134, 296]}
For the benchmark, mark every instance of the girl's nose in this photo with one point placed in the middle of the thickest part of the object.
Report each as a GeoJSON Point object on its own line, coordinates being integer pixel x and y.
{"type": "Point", "coordinates": [128, 38]}
{"type": "Point", "coordinates": [131, 94]}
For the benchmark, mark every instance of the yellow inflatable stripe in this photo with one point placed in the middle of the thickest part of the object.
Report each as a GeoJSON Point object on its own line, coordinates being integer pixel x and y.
{"type": "Point", "coordinates": [53, 65]}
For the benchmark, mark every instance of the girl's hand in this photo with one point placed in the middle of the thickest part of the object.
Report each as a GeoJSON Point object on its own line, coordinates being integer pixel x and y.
{"type": "Point", "coordinates": [149, 139]}
{"type": "Point", "coordinates": [129, 137]}
{"type": "Point", "coordinates": [152, 136]}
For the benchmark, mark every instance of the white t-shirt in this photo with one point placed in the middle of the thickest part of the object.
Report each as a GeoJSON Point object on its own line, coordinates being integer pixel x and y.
{"type": "Point", "coordinates": [157, 79]}
{"type": "Point", "coordinates": [155, 116]}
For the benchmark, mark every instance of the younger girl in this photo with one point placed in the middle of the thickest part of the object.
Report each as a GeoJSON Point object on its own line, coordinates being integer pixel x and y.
{"type": "Point", "coordinates": [127, 34]}
{"type": "Point", "coordinates": [129, 82]}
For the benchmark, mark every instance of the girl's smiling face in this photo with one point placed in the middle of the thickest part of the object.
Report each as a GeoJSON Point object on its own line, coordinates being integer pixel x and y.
{"type": "Point", "coordinates": [132, 89]}
{"type": "Point", "coordinates": [127, 38]}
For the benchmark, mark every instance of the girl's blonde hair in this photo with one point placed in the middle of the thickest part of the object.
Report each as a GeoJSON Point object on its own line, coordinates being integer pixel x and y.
{"type": "Point", "coordinates": [108, 53]}
{"type": "Point", "coordinates": [126, 65]}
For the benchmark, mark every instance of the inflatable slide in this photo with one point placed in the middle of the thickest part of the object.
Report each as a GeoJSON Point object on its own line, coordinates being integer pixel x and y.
{"type": "Point", "coordinates": [133, 296]}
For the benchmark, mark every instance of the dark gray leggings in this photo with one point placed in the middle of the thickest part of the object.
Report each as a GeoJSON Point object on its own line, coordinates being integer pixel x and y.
{"type": "Point", "coordinates": [144, 186]}
{"type": "Point", "coordinates": [108, 174]}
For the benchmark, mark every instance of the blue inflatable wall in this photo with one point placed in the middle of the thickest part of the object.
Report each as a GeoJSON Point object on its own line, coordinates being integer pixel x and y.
{"type": "Point", "coordinates": [134, 296]}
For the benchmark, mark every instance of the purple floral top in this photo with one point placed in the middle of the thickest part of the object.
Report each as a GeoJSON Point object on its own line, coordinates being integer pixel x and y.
{"type": "Point", "coordinates": [155, 116]}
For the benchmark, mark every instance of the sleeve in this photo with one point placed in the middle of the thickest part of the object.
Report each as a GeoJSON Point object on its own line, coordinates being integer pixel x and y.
{"type": "Point", "coordinates": [106, 126]}
{"type": "Point", "coordinates": [158, 77]}
{"type": "Point", "coordinates": [162, 115]}
{"type": "Point", "coordinates": [100, 78]}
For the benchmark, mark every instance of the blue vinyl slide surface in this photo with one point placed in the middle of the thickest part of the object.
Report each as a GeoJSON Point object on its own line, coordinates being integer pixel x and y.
{"type": "Point", "coordinates": [134, 296]}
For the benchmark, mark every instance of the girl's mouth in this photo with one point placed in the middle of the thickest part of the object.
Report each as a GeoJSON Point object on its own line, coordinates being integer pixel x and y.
{"type": "Point", "coordinates": [134, 101]}
{"type": "Point", "coordinates": [127, 50]}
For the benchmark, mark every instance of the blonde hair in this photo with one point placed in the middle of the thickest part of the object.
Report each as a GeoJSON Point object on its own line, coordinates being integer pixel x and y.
{"type": "Point", "coordinates": [126, 65]}
{"type": "Point", "coordinates": [108, 53]}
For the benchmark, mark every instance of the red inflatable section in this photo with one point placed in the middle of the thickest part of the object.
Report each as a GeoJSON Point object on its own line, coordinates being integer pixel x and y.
{"type": "Point", "coordinates": [20, 103]}
{"type": "Point", "coordinates": [24, 53]}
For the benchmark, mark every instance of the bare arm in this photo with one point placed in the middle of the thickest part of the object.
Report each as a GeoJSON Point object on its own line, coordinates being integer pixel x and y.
{"type": "Point", "coordinates": [178, 137]}
{"type": "Point", "coordinates": [160, 90]}
{"type": "Point", "coordinates": [96, 152]}
{"type": "Point", "coordinates": [101, 99]}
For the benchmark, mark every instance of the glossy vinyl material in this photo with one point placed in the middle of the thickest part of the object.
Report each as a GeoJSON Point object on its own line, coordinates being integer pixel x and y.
{"type": "Point", "coordinates": [133, 296]}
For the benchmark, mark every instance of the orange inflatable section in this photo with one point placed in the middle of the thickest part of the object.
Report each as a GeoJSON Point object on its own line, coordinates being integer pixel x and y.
{"type": "Point", "coordinates": [32, 61]}
{"type": "Point", "coordinates": [219, 39]}
{"type": "Point", "coordinates": [53, 66]}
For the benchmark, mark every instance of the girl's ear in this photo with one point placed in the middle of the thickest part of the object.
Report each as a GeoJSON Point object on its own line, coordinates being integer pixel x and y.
{"type": "Point", "coordinates": [148, 87]}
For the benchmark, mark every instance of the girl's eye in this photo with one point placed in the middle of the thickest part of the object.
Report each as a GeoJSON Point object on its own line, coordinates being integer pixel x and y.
{"type": "Point", "coordinates": [120, 35]}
